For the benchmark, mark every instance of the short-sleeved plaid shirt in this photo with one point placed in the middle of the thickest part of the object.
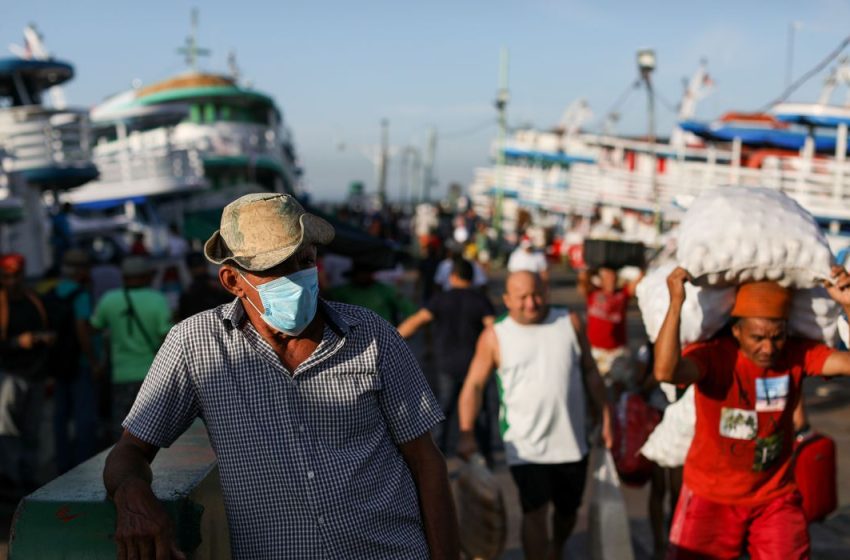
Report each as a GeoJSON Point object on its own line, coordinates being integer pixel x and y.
{"type": "Point", "coordinates": [309, 460]}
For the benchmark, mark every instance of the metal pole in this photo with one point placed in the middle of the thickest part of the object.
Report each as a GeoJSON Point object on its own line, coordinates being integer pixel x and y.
{"type": "Point", "coordinates": [789, 56]}
{"type": "Point", "coordinates": [653, 178]}
{"type": "Point", "coordinates": [382, 170]}
{"type": "Point", "coordinates": [840, 160]}
{"type": "Point", "coordinates": [502, 98]}
{"type": "Point", "coordinates": [430, 158]}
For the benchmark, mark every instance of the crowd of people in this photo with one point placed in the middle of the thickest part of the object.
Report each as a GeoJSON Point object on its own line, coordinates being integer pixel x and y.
{"type": "Point", "coordinates": [322, 418]}
{"type": "Point", "coordinates": [85, 338]}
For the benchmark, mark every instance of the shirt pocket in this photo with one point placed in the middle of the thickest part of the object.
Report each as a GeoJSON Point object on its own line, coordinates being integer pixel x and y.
{"type": "Point", "coordinates": [352, 403]}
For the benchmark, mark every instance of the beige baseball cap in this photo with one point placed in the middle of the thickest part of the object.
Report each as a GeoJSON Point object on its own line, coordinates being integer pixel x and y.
{"type": "Point", "coordinates": [261, 230]}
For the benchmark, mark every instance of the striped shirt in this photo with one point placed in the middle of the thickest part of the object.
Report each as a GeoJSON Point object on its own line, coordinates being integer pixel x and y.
{"type": "Point", "coordinates": [309, 460]}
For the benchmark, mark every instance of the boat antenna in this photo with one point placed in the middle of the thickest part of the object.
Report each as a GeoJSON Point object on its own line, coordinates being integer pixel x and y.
{"type": "Point", "coordinates": [232, 66]}
{"type": "Point", "coordinates": [805, 77]}
{"type": "Point", "coordinates": [192, 51]}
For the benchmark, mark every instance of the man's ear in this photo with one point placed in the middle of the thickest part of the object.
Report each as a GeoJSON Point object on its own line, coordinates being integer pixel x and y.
{"type": "Point", "coordinates": [736, 329]}
{"type": "Point", "coordinates": [229, 278]}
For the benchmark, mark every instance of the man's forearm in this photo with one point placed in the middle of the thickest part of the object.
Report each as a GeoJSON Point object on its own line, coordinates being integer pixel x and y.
{"type": "Point", "coordinates": [668, 349]}
{"type": "Point", "coordinates": [125, 462]}
{"type": "Point", "coordinates": [468, 406]}
{"type": "Point", "coordinates": [436, 504]}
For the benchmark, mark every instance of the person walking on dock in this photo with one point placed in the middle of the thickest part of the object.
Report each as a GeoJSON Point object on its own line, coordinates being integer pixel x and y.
{"type": "Point", "coordinates": [459, 315]}
{"type": "Point", "coordinates": [738, 493]}
{"type": "Point", "coordinates": [137, 318]}
{"type": "Point", "coordinates": [544, 366]}
{"type": "Point", "coordinates": [318, 413]}
{"type": "Point", "coordinates": [24, 340]}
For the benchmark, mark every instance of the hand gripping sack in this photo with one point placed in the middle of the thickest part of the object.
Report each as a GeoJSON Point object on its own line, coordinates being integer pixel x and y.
{"type": "Point", "coordinates": [482, 518]}
{"type": "Point", "coordinates": [815, 315]}
{"type": "Point", "coordinates": [610, 537]}
{"type": "Point", "coordinates": [733, 235]}
{"type": "Point", "coordinates": [705, 311]}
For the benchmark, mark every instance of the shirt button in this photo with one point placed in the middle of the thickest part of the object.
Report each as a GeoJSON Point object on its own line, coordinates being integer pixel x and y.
{"type": "Point", "coordinates": [311, 475]}
{"type": "Point", "coordinates": [321, 520]}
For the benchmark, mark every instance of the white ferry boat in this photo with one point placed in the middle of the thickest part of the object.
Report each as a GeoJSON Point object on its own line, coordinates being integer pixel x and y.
{"type": "Point", "coordinates": [177, 151]}
{"type": "Point", "coordinates": [800, 149]}
{"type": "Point", "coordinates": [44, 149]}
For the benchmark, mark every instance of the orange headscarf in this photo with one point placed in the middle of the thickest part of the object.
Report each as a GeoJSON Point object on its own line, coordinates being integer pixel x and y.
{"type": "Point", "coordinates": [766, 300]}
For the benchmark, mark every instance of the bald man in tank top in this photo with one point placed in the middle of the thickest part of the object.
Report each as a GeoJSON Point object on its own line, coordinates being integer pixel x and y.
{"type": "Point", "coordinates": [543, 365]}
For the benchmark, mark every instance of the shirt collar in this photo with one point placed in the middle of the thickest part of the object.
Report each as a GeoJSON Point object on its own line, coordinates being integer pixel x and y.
{"type": "Point", "coordinates": [233, 314]}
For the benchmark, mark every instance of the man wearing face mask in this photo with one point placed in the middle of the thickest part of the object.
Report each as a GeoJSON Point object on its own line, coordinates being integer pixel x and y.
{"type": "Point", "coordinates": [317, 411]}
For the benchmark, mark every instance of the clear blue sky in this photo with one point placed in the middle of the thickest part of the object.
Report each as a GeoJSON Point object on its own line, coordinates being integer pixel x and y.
{"type": "Point", "coordinates": [337, 68]}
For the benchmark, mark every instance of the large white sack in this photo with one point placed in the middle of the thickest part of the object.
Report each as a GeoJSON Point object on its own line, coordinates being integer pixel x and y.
{"type": "Point", "coordinates": [668, 444]}
{"type": "Point", "coordinates": [733, 235]}
{"type": "Point", "coordinates": [814, 315]}
{"type": "Point", "coordinates": [704, 313]}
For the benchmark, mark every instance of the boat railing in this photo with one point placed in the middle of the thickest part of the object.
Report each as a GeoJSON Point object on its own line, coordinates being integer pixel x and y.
{"type": "Point", "coordinates": [35, 137]}
{"type": "Point", "coordinates": [165, 162]}
{"type": "Point", "coordinates": [822, 187]}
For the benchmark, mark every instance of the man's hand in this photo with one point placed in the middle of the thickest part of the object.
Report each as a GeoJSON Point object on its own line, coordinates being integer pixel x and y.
{"type": "Point", "coordinates": [143, 529]}
{"type": "Point", "coordinates": [26, 340]}
{"type": "Point", "coordinates": [466, 445]}
{"type": "Point", "coordinates": [839, 286]}
{"type": "Point", "coordinates": [676, 285]}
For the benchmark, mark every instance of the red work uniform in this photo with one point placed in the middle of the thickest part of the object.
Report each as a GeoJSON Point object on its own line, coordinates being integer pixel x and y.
{"type": "Point", "coordinates": [738, 483]}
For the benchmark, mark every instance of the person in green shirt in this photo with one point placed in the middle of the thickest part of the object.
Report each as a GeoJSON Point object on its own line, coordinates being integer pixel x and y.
{"type": "Point", "coordinates": [365, 291]}
{"type": "Point", "coordinates": [137, 318]}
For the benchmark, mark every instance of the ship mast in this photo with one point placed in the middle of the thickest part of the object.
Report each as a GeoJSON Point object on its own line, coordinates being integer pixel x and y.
{"type": "Point", "coordinates": [192, 51]}
{"type": "Point", "coordinates": [697, 88]}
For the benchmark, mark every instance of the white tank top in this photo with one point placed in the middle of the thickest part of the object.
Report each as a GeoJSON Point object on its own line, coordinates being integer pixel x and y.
{"type": "Point", "coordinates": [541, 391]}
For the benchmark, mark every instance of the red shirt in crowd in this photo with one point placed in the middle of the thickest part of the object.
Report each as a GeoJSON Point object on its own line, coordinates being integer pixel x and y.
{"type": "Point", "coordinates": [741, 451]}
{"type": "Point", "coordinates": [606, 318]}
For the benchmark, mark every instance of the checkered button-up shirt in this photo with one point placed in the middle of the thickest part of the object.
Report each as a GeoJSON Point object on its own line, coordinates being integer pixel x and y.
{"type": "Point", "coordinates": [309, 460]}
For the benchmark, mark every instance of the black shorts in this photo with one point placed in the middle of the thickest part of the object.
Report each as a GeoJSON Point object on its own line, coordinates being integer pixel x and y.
{"type": "Point", "coordinates": [559, 483]}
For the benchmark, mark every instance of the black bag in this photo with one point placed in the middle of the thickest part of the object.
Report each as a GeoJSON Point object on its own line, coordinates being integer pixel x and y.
{"type": "Point", "coordinates": [613, 253]}
{"type": "Point", "coordinates": [64, 356]}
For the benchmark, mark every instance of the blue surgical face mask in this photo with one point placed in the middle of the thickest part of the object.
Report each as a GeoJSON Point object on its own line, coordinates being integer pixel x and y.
{"type": "Point", "coordinates": [289, 302]}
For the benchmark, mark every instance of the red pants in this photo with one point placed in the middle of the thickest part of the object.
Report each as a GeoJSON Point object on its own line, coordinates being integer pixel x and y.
{"type": "Point", "coordinates": [706, 530]}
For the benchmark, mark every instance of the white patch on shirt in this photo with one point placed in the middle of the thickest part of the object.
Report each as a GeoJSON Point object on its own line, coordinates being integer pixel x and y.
{"type": "Point", "coordinates": [737, 423]}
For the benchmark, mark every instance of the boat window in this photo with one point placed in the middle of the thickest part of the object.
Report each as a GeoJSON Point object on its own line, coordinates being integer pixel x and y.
{"type": "Point", "coordinates": [209, 113]}
{"type": "Point", "coordinates": [195, 113]}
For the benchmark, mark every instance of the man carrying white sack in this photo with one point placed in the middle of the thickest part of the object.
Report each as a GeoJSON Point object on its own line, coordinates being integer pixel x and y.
{"type": "Point", "coordinates": [738, 489]}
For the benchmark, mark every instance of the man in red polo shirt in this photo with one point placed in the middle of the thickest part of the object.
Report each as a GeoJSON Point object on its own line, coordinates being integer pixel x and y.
{"type": "Point", "coordinates": [738, 492]}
